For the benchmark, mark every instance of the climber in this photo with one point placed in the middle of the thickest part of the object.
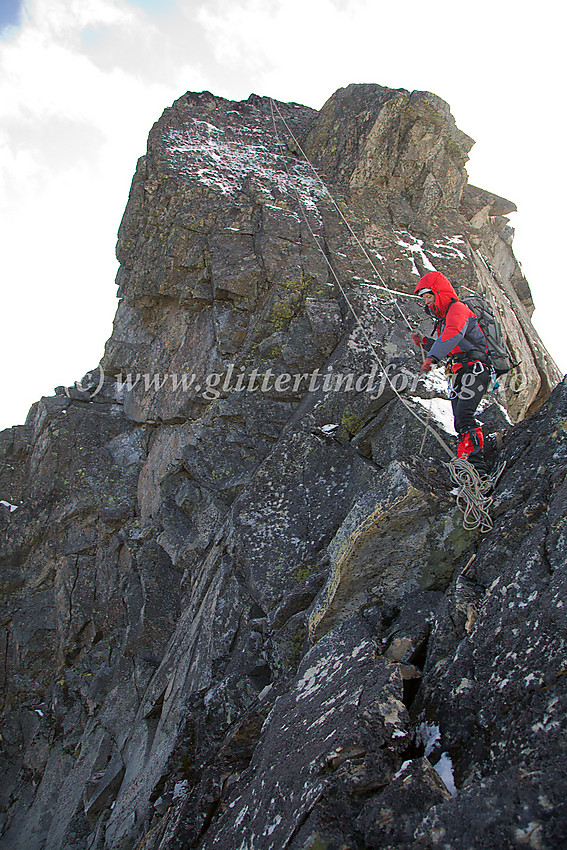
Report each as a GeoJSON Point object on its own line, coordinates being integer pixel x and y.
{"type": "Point", "coordinates": [460, 339]}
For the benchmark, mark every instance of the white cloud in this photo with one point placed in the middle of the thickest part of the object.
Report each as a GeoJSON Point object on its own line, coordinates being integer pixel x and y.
{"type": "Point", "coordinates": [70, 134]}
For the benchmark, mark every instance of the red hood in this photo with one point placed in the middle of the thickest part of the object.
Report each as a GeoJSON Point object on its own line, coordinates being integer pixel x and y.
{"type": "Point", "coordinates": [441, 288]}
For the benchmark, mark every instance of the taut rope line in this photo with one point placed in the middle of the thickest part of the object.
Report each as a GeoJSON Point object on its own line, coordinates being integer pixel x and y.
{"type": "Point", "coordinates": [353, 311]}
{"type": "Point", "coordinates": [471, 496]}
{"type": "Point", "coordinates": [338, 209]}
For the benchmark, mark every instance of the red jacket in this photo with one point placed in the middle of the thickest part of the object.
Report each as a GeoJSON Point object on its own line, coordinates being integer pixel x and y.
{"type": "Point", "coordinates": [458, 330]}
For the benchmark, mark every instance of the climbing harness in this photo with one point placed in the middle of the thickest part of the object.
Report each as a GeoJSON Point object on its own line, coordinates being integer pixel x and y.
{"type": "Point", "coordinates": [471, 495]}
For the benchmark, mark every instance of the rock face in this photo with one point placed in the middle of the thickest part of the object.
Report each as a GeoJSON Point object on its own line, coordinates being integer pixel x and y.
{"type": "Point", "coordinates": [239, 606]}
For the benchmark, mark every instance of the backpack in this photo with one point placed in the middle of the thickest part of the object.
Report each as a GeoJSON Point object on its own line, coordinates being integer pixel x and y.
{"type": "Point", "coordinates": [490, 326]}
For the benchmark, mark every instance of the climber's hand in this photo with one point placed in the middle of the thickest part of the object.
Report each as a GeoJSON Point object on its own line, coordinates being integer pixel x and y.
{"type": "Point", "coordinates": [417, 340]}
{"type": "Point", "coordinates": [427, 364]}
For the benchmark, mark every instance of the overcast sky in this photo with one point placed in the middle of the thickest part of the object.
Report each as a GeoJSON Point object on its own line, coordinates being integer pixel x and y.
{"type": "Point", "coordinates": [82, 81]}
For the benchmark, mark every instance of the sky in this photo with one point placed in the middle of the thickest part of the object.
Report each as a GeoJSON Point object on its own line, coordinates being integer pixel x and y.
{"type": "Point", "coordinates": [82, 82]}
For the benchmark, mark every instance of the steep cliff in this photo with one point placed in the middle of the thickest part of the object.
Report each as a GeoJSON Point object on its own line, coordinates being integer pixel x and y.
{"type": "Point", "coordinates": [239, 605]}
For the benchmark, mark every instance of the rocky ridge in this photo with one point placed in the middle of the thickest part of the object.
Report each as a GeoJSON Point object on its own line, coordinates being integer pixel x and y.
{"type": "Point", "coordinates": [239, 606]}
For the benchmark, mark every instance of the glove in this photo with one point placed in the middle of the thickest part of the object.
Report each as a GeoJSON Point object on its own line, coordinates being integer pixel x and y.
{"type": "Point", "coordinates": [417, 339]}
{"type": "Point", "coordinates": [427, 364]}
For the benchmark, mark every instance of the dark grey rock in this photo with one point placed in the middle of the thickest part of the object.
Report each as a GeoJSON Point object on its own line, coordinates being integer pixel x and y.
{"type": "Point", "coordinates": [234, 595]}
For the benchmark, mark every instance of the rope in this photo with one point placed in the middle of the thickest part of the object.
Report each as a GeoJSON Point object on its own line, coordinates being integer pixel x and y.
{"type": "Point", "coordinates": [338, 209]}
{"type": "Point", "coordinates": [471, 495]}
{"type": "Point", "coordinates": [420, 452]}
{"type": "Point", "coordinates": [353, 311]}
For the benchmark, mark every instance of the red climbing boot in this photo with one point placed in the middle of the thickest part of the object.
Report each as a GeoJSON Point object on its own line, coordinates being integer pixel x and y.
{"type": "Point", "coordinates": [470, 446]}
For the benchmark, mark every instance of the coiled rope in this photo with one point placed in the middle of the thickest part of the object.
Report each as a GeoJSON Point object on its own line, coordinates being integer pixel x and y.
{"type": "Point", "coordinates": [471, 495]}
